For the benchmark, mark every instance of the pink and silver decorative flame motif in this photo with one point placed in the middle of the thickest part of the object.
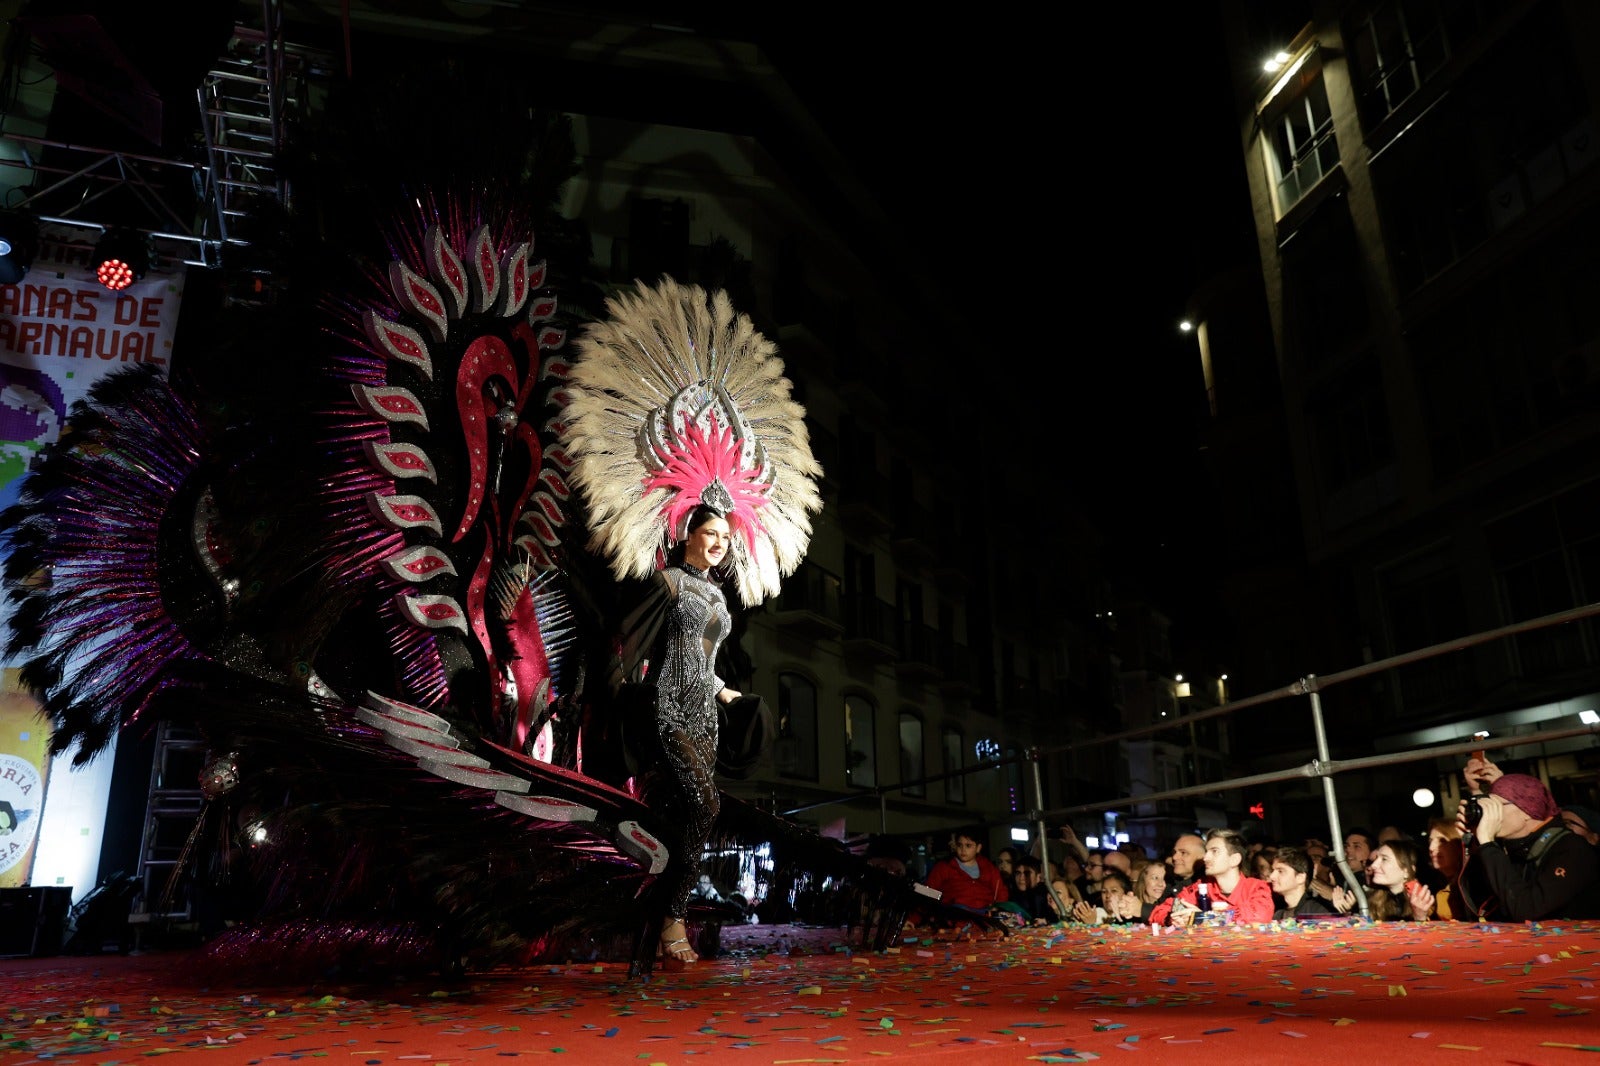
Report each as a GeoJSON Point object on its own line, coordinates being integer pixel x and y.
{"type": "Point", "coordinates": [699, 447]}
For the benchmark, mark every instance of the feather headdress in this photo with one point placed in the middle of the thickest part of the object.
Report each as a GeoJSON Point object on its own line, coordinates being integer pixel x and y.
{"type": "Point", "coordinates": [677, 401]}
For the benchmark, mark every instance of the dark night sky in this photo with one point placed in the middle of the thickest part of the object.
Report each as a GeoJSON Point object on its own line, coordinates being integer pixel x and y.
{"type": "Point", "coordinates": [1089, 184]}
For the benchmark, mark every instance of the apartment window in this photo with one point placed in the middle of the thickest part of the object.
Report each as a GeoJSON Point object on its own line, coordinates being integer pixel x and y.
{"type": "Point", "coordinates": [1350, 426]}
{"type": "Point", "coordinates": [860, 742]}
{"type": "Point", "coordinates": [955, 786]}
{"type": "Point", "coordinates": [1510, 133]}
{"type": "Point", "coordinates": [1400, 46]}
{"type": "Point", "coordinates": [795, 751]}
{"type": "Point", "coordinates": [1546, 559]}
{"type": "Point", "coordinates": [1514, 356]}
{"type": "Point", "coordinates": [1301, 148]}
{"type": "Point", "coordinates": [1423, 605]}
{"type": "Point", "coordinates": [1325, 287]}
{"type": "Point", "coordinates": [911, 764]}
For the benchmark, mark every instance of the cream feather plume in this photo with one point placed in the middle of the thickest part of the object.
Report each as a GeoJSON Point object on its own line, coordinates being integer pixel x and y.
{"type": "Point", "coordinates": [677, 400]}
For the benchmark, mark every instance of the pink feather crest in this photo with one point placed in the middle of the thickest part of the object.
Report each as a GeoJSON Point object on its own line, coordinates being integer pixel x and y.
{"type": "Point", "coordinates": [692, 462]}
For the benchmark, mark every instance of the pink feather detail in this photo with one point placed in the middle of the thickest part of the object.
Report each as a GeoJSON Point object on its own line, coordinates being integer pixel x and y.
{"type": "Point", "coordinates": [693, 461]}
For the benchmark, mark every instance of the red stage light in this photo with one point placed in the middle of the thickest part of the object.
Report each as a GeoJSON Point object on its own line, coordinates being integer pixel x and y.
{"type": "Point", "coordinates": [121, 258]}
{"type": "Point", "coordinates": [114, 274]}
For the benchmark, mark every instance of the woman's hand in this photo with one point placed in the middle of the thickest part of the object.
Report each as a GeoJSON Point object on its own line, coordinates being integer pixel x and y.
{"type": "Point", "coordinates": [1127, 907]}
{"type": "Point", "coordinates": [1085, 912]}
{"type": "Point", "coordinates": [1343, 901]}
{"type": "Point", "coordinates": [1421, 899]}
{"type": "Point", "coordinates": [728, 695]}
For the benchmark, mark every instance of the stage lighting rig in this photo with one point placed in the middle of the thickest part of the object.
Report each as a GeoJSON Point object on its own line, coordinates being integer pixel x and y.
{"type": "Point", "coordinates": [121, 257]}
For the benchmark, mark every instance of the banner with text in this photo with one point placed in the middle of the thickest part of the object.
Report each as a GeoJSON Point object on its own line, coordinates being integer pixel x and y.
{"type": "Point", "coordinates": [60, 333]}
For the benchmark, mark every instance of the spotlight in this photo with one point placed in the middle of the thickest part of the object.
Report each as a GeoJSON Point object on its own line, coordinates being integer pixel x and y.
{"type": "Point", "coordinates": [19, 243]}
{"type": "Point", "coordinates": [121, 258]}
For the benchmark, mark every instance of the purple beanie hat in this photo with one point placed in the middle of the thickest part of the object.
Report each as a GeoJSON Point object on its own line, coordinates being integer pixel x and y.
{"type": "Point", "coordinates": [1528, 794]}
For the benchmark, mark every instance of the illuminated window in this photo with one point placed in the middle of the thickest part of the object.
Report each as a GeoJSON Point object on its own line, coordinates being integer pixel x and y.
{"type": "Point", "coordinates": [1300, 142]}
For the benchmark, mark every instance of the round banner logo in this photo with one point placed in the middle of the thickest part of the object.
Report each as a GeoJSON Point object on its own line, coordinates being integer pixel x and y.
{"type": "Point", "coordinates": [21, 798]}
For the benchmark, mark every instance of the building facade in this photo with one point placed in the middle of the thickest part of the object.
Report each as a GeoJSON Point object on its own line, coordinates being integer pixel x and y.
{"type": "Point", "coordinates": [1426, 204]}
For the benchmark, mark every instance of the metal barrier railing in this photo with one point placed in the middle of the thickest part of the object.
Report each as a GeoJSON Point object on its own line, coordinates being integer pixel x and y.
{"type": "Point", "coordinates": [1322, 766]}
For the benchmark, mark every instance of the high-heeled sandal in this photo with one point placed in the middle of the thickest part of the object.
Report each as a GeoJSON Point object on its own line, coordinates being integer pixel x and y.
{"type": "Point", "coordinates": [677, 953]}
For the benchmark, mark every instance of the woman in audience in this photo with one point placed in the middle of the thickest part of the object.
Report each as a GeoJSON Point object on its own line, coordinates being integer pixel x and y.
{"type": "Point", "coordinates": [1396, 894]}
{"type": "Point", "coordinates": [1070, 897]}
{"type": "Point", "coordinates": [1261, 862]}
{"type": "Point", "coordinates": [1446, 854]}
{"type": "Point", "coordinates": [1151, 888]}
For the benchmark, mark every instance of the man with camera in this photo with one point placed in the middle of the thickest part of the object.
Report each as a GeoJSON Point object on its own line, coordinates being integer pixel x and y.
{"type": "Point", "coordinates": [1531, 864]}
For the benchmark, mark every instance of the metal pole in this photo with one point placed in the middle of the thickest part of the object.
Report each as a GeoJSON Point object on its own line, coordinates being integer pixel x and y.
{"type": "Point", "coordinates": [1037, 814]}
{"type": "Point", "coordinates": [1330, 797]}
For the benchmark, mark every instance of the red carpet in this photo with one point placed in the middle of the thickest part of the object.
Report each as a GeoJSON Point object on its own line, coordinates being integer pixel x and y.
{"type": "Point", "coordinates": [1377, 994]}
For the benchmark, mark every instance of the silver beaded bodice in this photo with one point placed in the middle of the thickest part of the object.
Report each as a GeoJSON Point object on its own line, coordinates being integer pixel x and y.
{"type": "Point", "coordinates": [696, 624]}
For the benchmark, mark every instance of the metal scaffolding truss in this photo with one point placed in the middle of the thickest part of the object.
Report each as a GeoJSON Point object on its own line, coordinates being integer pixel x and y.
{"type": "Point", "coordinates": [193, 210]}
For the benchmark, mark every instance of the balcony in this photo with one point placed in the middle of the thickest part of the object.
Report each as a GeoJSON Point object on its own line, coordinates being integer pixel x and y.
{"type": "Point", "coordinates": [864, 502]}
{"type": "Point", "coordinates": [959, 676]}
{"type": "Point", "coordinates": [869, 626]}
{"type": "Point", "coordinates": [810, 604]}
{"type": "Point", "coordinates": [918, 661]}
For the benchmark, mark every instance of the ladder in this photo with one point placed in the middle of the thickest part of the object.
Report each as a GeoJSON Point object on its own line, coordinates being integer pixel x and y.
{"type": "Point", "coordinates": [174, 806]}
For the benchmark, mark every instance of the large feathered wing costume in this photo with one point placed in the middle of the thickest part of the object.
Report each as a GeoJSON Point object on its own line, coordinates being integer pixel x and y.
{"type": "Point", "coordinates": [374, 595]}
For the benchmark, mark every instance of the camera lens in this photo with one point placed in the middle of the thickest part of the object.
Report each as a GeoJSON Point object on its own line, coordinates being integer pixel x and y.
{"type": "Point", "coordinates": [1474, 813]}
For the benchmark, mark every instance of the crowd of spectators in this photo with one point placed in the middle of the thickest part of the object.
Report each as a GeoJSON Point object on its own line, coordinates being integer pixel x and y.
{"type": "Point", "coordinates": [1511, 853]}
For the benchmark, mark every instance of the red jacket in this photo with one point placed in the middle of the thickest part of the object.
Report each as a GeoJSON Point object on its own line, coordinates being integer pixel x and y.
{"type": "Point", "coordinates": [1251, 900]}
{"type": "Point", "coordinates": [963, 890]}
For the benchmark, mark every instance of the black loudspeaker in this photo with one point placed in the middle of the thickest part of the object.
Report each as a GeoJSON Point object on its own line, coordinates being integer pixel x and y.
{"type": "Point", "coordinates": [32, 920]}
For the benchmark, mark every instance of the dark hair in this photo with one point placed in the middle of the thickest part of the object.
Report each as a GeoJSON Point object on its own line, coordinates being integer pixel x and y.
{"type": "Point", "coordinates": [1405, 852]}
{"type": "Point", "coordinates": [1364, 834]}
{"type": "Point", "coordinates": [698, 517]}
{"type": "Point", "coordinates": [1114, 874]}
{"type": "Point", "coordinates": [702, 514]}
{"type": "Point", "coordinates": [1027, 862]}
{"type": "Point", "coordinates": [1294, 858]}
{"type": "Point", "coordinates": [1232, 839]}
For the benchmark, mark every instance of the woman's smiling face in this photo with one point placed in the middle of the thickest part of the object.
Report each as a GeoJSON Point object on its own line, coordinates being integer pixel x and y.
{"type": "Point", "coordinates": [707, 544]}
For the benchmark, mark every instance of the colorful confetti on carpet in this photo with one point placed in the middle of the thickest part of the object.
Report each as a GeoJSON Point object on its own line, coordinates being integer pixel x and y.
{"type": "Point", "coordinates": [786, 995]}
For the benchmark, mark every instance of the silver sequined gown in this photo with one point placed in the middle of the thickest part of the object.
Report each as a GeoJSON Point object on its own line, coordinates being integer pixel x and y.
{"type": "Point", "coordinates": [686, 715]}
